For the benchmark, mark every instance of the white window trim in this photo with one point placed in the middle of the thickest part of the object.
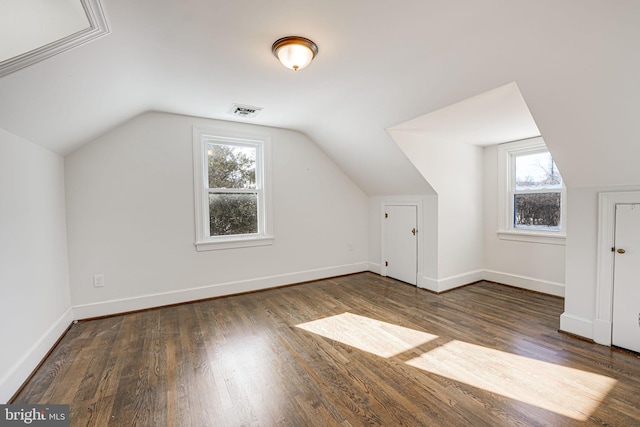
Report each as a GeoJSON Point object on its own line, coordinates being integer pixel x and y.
{"type": "Point", "coordinates": [506, 170]}
{"type": "Point", "coordinates": [264, 237]}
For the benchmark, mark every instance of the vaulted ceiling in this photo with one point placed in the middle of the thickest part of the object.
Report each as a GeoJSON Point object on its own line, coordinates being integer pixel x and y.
{"type": "Point", "coordinates": [380, 64]}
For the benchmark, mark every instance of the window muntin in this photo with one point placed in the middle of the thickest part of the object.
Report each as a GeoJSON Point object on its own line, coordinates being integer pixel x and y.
{"type": "Point", "coordinates": [231, 190]}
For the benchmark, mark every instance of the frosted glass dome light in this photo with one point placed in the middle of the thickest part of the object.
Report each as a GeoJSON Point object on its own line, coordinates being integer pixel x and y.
{"type": "Point", "coordinates": [294, 52]}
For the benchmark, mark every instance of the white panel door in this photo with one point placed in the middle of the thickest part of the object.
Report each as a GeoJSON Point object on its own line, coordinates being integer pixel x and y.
{"type": "Point", "coordinates": [401, 243]}
{"type": "Point", "coordinates": [626, 285]}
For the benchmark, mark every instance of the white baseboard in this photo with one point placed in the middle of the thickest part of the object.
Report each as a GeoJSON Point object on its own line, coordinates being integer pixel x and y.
{"type": "Point", "coordinates": [529, 283]}
{"type": "Point", "coordinates": [602, 331]}
{"type": "Point", "coordinates": [428, 283]}
{"type": "Point", "coordinates": [105, 308]}
{"type": "Point", "coordinates": [448, 283]}
{"type": "Point", "coordinates": [576, 325]}
{"type": "Point", "coordinates": [25, 366]}
{"type": "Point", "coordinates": [374, 267]}
{"type": "Point", "coordinates": [452, 282]}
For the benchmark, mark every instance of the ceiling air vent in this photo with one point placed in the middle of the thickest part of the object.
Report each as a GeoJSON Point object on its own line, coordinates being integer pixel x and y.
{"type": "Point", "coordinates": [244, 111]}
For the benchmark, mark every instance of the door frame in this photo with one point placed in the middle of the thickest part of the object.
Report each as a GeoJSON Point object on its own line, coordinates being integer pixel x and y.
{"type": "Point", "coordinates": [402, 202]}
{"type": "Point", "coordinates": [607, 202]}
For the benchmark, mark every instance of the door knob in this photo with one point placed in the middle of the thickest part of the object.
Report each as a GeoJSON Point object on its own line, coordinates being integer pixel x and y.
{"type": "Point", "coordinates": [621, 251]}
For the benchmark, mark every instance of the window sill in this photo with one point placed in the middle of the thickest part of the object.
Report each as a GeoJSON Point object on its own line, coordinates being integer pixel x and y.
{"type": "Point", "coordinates": [533, 237]}
{"type": "Point", "coordinates": [232, 243]}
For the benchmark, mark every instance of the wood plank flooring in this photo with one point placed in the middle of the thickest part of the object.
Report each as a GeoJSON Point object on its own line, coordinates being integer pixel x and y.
{"type": "Point", "coordinates": [350, 351]}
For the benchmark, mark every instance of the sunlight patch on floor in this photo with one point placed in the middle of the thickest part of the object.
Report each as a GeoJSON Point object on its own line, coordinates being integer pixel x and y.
{"type": "Point", "coordinates": [373, 336]}
{"type": "Point", "coordinates": [566, 391]}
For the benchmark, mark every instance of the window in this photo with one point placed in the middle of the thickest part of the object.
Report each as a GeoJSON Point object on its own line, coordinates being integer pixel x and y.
{"type": "Point", "coordinates": [231, 190]}
{"type": "Point", "coordinates": [531, 193]}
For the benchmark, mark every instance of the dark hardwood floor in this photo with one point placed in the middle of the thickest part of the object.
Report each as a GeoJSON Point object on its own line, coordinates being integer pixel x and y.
{"type": "Point", "coordinates": [350, 351]}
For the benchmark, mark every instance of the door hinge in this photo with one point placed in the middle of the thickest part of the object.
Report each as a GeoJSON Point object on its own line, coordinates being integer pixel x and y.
{"type": "Point", "coordinates": [386, 263]}
{"type": "Point", "coordinates": [386, 215]}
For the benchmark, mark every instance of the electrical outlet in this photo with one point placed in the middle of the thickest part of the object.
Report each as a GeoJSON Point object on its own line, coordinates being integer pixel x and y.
{"type": "Point", "coordinates": [351, 246]}
{"type": "Point", "coordinates": [98, 280]}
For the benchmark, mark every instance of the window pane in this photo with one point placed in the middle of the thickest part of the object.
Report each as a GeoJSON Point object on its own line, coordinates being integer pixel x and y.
{"type": "Point", "coordinates": [537, 171]}
{"type": "Point", "coordinates": [231, 166]}
{"type": "Point", "coordinates": [537, 211]}
{"type": "Point", "coordinates": [233, 214]}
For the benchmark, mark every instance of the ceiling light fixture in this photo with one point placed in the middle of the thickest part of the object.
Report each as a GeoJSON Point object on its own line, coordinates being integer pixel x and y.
{"type": "Point", "coordinates": [294, 52]}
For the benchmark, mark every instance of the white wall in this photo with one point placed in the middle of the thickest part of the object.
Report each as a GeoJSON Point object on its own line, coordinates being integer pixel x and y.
{"type": "Point", "coordinates": [465, 178]}
{"type": "Point", "coordinates": [35, 306]}
{"type": "Point", "coordinates": [375, 234]}
{"type": "Point", "coordinates": [455, 171]}
{"type": "Point", "coordinates": [131, 217]}
{"type": "Point", "coordinates": [535, 266]}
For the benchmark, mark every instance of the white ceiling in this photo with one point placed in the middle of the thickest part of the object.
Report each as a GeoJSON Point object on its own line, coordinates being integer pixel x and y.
{"type": "Point", "coordinates": [494, 117]}
{"type": "Point", "coordinates": [380, 64]}
{"type": "Point", "coordinates": [27, 25]}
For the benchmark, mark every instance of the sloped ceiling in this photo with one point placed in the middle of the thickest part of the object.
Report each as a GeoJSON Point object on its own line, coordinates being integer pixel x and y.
{"type": "Point", "coordinates": [494, 117]}
{"type": "Point", "coordinates": [380, 63]}
{"type": "Point", "coordinates": [28, 25]}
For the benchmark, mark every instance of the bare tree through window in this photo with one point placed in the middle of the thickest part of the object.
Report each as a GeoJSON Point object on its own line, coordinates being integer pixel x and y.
{"type": "Point", "coordinates": [537, 195]}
